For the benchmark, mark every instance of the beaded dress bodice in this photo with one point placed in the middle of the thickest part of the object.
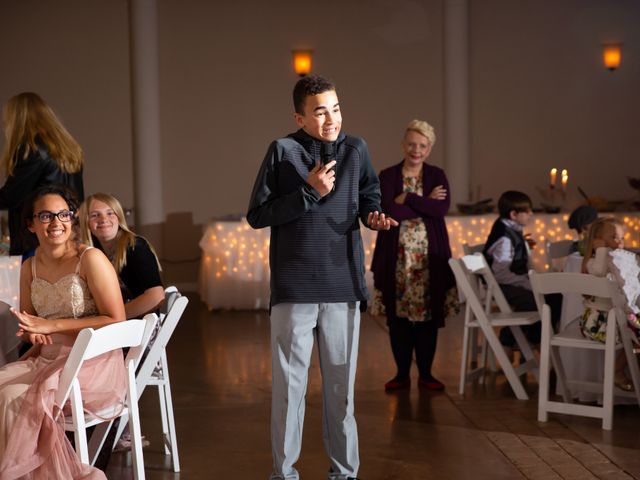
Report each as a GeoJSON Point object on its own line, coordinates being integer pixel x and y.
{"type": "Point", "coordinates": [68, 297]}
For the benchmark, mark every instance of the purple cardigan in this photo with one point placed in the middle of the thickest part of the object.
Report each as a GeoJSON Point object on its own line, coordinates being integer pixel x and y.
{"type": "Point", "coordinates": [432, 213]}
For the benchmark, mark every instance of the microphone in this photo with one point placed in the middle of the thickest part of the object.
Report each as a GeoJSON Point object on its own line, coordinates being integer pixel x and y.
{"type": "Point", "coordinates": [327, 153]}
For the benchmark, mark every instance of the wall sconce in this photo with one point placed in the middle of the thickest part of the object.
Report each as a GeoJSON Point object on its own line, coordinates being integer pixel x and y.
{"type": "Point", "coordinates": [611, 55]}
{"type": "Point", "coordinates": [302, 61]}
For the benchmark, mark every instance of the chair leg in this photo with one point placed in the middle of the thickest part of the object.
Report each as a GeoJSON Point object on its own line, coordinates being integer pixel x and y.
{"type": "Point", "coordinates": [465, 353]}
{"type": "Point", "coordinates": [163, 416]}
{"type": "Point", "coordinates": [609, 372]}
{"type": "Point", "coordinates": [172, 425]}
{"type": "Point", "coordinates": [134, 425]}
{"type": "Point", "coordinates": [507, 368]}
{"type": "Point", "coordinates": [543, 382]}
{"type": "Point", "coordinates": [79, 426]}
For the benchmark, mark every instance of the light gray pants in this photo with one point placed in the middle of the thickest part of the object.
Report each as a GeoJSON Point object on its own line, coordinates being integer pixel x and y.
{"type": "Point", "coordinates": [336, 326]}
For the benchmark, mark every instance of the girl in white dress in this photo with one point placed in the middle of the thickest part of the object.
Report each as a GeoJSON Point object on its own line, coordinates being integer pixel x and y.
{"type": "Point", "coordinates": [605, 256]}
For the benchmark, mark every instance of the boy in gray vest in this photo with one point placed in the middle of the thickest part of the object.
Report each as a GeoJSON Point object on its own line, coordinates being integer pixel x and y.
{"type": "Point", "coordinates": [313, 189]}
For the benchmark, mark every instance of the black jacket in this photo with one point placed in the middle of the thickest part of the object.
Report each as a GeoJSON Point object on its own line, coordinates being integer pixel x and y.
{"type": "Point", "coordinates": [29, 174]}
{"type": "Point", "coordinates": [316, 253]}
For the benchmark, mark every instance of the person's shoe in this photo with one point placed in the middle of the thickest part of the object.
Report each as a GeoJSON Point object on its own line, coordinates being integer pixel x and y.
{"type": "Point", "coordinates": [622, 382]}
{"type": "Point", "coordinates": [124, 443]}
{"type": "Point", "coordinates": [397, 384]}
{"type": "Point", "coordinates": [431, 383]}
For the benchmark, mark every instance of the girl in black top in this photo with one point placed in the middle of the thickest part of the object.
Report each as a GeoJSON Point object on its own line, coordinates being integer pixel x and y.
{"type": "Point", "coordinates": [103, 225]}
{"type": "Point", "coordinates": [38, 151]}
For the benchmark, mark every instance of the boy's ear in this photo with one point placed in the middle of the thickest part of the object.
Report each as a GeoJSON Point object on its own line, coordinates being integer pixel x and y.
{"type": "Point", "coordinates": [299, 119]}
{"type": "Point", "coordinates": [513, 214]}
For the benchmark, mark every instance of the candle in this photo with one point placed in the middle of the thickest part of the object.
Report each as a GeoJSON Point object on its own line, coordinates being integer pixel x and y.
{"type": "Point", "coordinates": [565, 178]}
{"type": "Point", "coordinates": [552, 177]}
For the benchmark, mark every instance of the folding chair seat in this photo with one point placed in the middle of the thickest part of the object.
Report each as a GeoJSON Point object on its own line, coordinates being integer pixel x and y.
{"type": "Point", "coordinates": [91, 343]}
{"type": "Point", "coordinates": [154, 370]}
{"type": "Point", "coordinates": [618, 338]}
{"type": "Point", "coordinates": [555, 251]}
{"type": "Point", "coordinates": [479, 316]}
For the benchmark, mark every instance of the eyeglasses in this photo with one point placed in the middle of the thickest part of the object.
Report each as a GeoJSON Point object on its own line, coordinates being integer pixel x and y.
{"type": "Point", "coordinates": [46, 216]}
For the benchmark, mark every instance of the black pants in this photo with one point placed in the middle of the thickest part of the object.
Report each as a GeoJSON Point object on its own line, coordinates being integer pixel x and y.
{"type": "Point", "coordinates": [408, 336]}
{"type": "Point", "coordinates": [522, 300]}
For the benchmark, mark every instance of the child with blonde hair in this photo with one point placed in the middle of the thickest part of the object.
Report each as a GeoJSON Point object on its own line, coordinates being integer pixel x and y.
{"type": "Point", "coordinates": [605, 256]}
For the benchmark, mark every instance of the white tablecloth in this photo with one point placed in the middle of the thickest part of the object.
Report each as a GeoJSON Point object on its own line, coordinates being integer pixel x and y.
{"type": "Point", "coordinates": [234, 271]}
{"type": "Point", "coordinates": [9, 294]}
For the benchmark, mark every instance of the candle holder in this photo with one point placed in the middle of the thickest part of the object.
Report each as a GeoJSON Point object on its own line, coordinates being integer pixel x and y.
{"type": "Point", "coordinates": [553, 199]}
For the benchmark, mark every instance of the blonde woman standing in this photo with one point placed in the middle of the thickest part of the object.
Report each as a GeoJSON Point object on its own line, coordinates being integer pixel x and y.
{"type": "Point", "coordinates": [38, 151]}
{"type": "Point", "coordinates": [414, 286]}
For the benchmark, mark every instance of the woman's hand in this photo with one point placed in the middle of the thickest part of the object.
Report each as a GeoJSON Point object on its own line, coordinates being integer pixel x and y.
{"type": "Point", "coordinates": [33, 324]}
{"type": "Point", "coordinates": [438, 193]}
{"type": "Point", "coordinates": [34, 338]}
{"type": "Point", "coordinates": [598, 243]}
{"type": "Point", "coordinates": [400, 198]}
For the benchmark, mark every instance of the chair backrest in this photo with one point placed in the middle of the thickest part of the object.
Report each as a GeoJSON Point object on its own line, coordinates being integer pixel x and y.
{"type": "Point", "coordinates": [162, 338]}
{"type": "Point", "coordinates": [578, 283]}
{"type": "Point", "coordinates": [471, 249]}
{"type": "Point", "coordinates": [90, 343]}
{"type": "Point", "coordinates": [477, 264]}
{"type": "Point", "coordinates": [170, 295]}
{"type": "Point", "coordinates": [469, 288]}
{"type": "Point", "coordinates": [556, 251]}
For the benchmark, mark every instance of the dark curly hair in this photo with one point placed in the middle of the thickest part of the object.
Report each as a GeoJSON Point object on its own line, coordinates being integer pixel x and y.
{"type": "Point", "coordinates": [31, 241]}
{"type": "Point", "coordinates": [309, 86]}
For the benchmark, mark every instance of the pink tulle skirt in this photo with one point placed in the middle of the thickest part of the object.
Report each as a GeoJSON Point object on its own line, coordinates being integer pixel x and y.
{"type": "Point", "coordinates": [34, 442]}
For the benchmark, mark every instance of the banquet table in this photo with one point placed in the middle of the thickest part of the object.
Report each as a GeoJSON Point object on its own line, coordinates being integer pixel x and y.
{"type": "Point", "coordinates": [234, 270]}
{"type": "Point", "coordinates": [9, 295]}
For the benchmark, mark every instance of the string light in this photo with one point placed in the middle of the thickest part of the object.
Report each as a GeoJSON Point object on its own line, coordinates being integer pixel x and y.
{"type": "Point", "coordinates": [234, 250]}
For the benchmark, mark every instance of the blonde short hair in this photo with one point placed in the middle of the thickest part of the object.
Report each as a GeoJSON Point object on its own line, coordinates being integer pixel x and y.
{"type": "Point", "coordinates": [424, 129]}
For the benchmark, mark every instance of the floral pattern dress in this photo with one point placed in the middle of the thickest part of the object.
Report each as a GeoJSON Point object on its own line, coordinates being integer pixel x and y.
{"type": "Point", "coordinates": [412, 269]}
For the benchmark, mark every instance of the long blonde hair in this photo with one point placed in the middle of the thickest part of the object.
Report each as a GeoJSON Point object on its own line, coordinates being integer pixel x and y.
{"type": "Point", "coordinates": [125, 237]}
{"type": "Point", "coordinates": [596, 230]}
{"type": "Point", "coordinates": [28, 119]}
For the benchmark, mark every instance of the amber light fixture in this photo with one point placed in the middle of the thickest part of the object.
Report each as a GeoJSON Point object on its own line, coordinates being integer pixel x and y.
{"type": "Point", "coordinates": [611, 55]}
{"type": "Point", "coordinates": [302, 61]}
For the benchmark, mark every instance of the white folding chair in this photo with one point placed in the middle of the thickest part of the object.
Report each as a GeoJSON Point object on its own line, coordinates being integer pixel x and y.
{"type": "Point", "coordinates": [469, 249]}
{"type": "Point", "coordinates": [89, 344]}
{"type": "Point", "coordinates": [481, 317]}
{"type": "Point", "coordinates": [556, 251]}
{"type": "Point", "coordinates": [617, 338]}
{"type": "Point", "coordinates": [154, 370]}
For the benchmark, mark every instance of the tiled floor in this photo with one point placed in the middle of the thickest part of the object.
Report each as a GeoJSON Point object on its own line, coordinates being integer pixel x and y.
{"type": "Point", "coordinates": [220, 371]}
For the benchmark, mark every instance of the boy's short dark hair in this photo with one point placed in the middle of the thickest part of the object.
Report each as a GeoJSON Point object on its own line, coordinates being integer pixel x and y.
{"type": "Point", "coordinates": [308, 86]}
{"type": "Point", "coordinates": [513, 200]}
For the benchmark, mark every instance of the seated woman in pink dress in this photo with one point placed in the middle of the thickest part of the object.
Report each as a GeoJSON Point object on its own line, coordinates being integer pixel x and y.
{"type": "Point", "coordinates": [64, 288]}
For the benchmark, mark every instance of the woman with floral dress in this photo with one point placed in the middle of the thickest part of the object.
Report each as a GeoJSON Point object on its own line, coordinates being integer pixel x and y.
{"type": "Point", "coordinates": [414, 286]}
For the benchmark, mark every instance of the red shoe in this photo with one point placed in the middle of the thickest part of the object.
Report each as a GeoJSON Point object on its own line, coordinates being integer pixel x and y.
{"type": "Point", "coordinates": [395, 384]}
{"type": "Point", "coordinates": [431, 384]}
